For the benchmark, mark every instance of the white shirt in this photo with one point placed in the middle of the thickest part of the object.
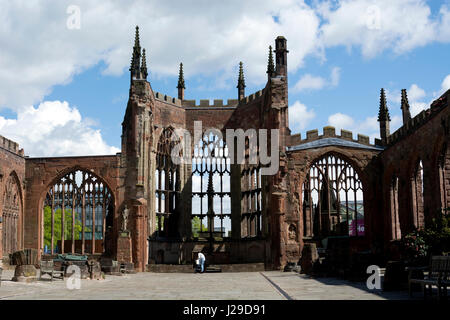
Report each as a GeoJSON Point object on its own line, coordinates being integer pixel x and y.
{"type": "Point", "coordinates": [201, 256]}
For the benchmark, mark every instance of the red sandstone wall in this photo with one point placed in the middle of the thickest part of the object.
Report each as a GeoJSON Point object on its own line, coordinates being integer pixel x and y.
{"type": "Point", "coordinates": [426, 137]}
{"type": "Point", "coordinates": [41, 173]}
{"type": "Point", "coordinates": [12, 162]}
{"type": "Point", "coordinates": [166, 114]}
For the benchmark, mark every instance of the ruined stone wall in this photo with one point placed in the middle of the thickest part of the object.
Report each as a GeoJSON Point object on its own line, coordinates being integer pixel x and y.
{"type": "Point", "coordinates": [12, 164]}
{"type": "Point", "coordinates": [42, 173]}
{"type": "Point", "coordinates": [426, 138]}
{"type": "Point", "coordinates": [364, 161]}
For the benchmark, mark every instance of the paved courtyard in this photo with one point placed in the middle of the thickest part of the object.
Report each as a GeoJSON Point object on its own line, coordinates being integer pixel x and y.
{"type": "Point", "coordinates": [273, 285]}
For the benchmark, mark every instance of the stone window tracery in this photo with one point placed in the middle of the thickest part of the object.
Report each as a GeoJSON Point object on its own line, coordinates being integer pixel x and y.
{"type": "Point", "coordinates": [75, 214]}
{"type": "Point", "coordinates": [211, 196]}
{"type": "Point", "coordinates": [167, 185]}
{"type": "Point", "coordinates": [332, 199]}
{"type": "Point", "coordinates": [251, 201]}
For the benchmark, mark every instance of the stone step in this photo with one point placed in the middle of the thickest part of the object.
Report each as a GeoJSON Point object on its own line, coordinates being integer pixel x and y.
{"type": "Point", "coordinates": [238, 267]}
{"type": "Point", "coordinates": [213, 269]}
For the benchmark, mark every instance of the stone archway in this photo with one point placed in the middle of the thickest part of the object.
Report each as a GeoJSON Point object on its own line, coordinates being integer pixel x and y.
{"type": "Point", "coordinates": [333, 201]}
{"type": "Point", "coordinates": [78, 214]}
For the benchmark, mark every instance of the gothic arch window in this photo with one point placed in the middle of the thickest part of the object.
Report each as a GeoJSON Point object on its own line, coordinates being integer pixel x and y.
{"type": "Point", "coordinates": [251, 201]}
{"type": "Point", "coordinates": [211, 196]}
{"type": "Point", "coordinates": [332, 199]}
{"type": "Point", "coordinates": [395, 216]}
{"type": "Point", "coordinates": [417, 195]}
{"type": "Point", "coordinates": [11, 216]}
{"type": "Point", "coordinates": [76, 210]}
{"type": "Point", "coordinates": [251, 194]}
{"type": "Point", "coordinates": [167, 185]}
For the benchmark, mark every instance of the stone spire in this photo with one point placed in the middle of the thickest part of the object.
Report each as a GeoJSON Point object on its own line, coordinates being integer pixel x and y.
{"type": "Point", "coordinates": [270, 64]}
{"type": "Point", "coordinates": [405, 107]}
{"type": "Point", "coordinates": [181, 85]}
{"type": "Point", "coordinates": [384, 118]}
{"type": "Point", "coordinates": [144, 71]}
{"type": "Point", "coordinates": [241, 82]}
{"type": "Point", "coordinates": [136, 58]}
{"type": "Point", "coordinates": [383, 113]}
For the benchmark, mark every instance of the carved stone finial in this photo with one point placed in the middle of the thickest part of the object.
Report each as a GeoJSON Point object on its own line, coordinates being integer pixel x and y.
{"type": "Point", "coordinates": [270, 64]}
{"type": "Point", "coordinates": [135, 67]}
{"type": "Point", "coordinates": [406, 113]}
{"type": "Point", "coordinates": [144, 65]}
{"type": "Point", "coordinates": [241, 82]}
{"type": "Point", "coordinates": [383, 113]}
{"type": "Point", "coordinates": [181, 78]}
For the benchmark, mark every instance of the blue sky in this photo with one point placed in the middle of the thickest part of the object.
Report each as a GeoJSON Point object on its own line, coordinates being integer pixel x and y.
{"type": "Point", "coordinates": [65, 90]}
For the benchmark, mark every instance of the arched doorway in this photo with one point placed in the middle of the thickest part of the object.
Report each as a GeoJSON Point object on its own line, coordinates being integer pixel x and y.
{"type": "Point", "coordinates": [78, 214]}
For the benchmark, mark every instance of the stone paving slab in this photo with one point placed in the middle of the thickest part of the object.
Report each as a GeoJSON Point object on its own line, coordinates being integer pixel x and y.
{"type": "Point", "coordinates": [303, 287]}
{"type": "Point", "coordinates": [268, 285]}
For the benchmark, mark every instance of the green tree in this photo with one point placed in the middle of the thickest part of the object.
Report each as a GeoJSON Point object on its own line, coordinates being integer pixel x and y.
{"type": "Point", "coordinates": [196, 223]}
{"type": "Point", "coordinates": [57, 226]}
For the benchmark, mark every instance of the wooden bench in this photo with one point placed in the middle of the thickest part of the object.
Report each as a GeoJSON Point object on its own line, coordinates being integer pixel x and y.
{"type": "Point", "coordinates": [48, 267]}
{"type": "Point", "coordinates": [438, 275]}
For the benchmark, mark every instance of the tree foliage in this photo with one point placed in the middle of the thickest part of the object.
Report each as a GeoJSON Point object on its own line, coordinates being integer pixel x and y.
{"type": "Point", "coordinates": [196, 224]}
{"type": "Point", "coordinates": [419, 245]}
{"type": "Point", "coordinates": [57, 226]}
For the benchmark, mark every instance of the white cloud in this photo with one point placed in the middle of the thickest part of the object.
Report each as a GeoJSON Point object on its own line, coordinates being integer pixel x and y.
{"type": "Point", "coordinates": [444, 26]}
{"type": "Point", "coordinates": [54, 129]}
{"type": "Point", "coordinates": [39, 52]}
{"type": "Point", "coordinates": [445, 84]}
{"type": "Point", "coordinates": [335, 76]}
{"type": "Point", "coordinates": [341, 121]}
{"type": "Point", "coordinates": [310, 82]}
{"type": "Point", "coordinates": [399, 25]}
{"type": "Point", "coordinates": [416, 93]}
{"type": "Point", "coordinates": [369, 126]}
{"type": "Point", "coordinates": [416, 99]}
{"type": "Point", "coordinates": [300, 116]}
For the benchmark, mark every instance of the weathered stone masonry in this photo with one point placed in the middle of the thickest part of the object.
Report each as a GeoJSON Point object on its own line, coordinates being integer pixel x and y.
{"type": "Point", "coordinates": [398, 183]}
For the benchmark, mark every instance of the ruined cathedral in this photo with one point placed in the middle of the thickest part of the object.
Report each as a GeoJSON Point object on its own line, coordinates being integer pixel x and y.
{"type": "Point", "coordinates": [141, 207]}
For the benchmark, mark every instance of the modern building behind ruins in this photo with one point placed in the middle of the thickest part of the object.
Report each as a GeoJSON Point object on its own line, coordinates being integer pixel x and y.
{"type": "Point", "coordinates": [141, 206]}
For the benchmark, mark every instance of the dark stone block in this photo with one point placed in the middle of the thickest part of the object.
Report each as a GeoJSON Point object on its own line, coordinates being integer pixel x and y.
{"type": "Point", "coordinates": [25, 273]}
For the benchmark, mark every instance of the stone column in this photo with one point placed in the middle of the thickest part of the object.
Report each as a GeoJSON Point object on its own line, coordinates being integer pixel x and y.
{"type": "Point", "coordinates": [278, 230]}
{"type": "Point", "coordinates": [235, 188]}
{"type": "Point", "coordinates": [139, 235]}
{"type": "Point", "coordinates": [186, 199]}
{"type": "Point", "coordinates": [124, 253]}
